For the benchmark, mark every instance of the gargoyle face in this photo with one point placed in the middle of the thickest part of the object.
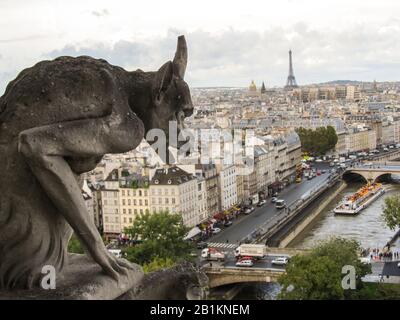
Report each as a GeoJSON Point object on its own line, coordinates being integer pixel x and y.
{"type": "Point", "coordinates": [171, 97]}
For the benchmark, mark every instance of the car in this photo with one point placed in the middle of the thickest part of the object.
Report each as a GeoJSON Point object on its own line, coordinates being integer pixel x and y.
{"type": "Point", "coordinates": [248, 210]}
{"type": "Point", "coordinates": [368, 164]}
{"type": "Point", "coordinates": [298, 179]}
{"type": "Point", "coordinates": [398, 265]}
{"type": "Point", "coordinates": [280, 204]}
{"type": "Point", "coordinates": [273, 199]}
{"type": "Point", "coordinates": [318, 160]}
{"type": "Point", "coordinates": [281, 261]}
{"type": "Point", "coordinates": [244, 263]}
{"type": "Point", "coordinates": [261, 203]}
{"type": "Point", "coordinates": [202, 245]}
{"type": "Point", "coordinates": [216, 230]}
{"type": "Point", "coordinates": [228, 223]}
{"type": "Point", "coordinates": [385, 149]}
{"type": "Point", "coordinates": [323, 171]}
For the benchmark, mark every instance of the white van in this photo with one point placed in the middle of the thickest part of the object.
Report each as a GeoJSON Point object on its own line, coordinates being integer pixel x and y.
{"type": "Point", "coordinates": [280, 204]}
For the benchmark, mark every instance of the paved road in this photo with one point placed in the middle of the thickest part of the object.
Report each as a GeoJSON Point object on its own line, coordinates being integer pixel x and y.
{"type": "Point", "coordinates": [245, 225]}
{"type": "Point", "coordinates": [230, 262]}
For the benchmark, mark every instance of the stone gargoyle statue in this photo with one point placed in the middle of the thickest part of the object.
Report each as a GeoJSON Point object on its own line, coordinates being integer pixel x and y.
{"type": "Point", "coordinates": [57, 120]}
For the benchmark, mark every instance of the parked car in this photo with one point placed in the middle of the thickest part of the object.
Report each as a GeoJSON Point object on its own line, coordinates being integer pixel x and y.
{"type": "Point", "coordinates": [201, 245]}
{"type": "Point", "coordinates": [273, 199]}
{"type": "Point", "coordinates": [318, 160]}
{"type": "Point", "coordinates": [261, 203]}
{"type": "Point", "coordinates": [216, 230]}
{"type": "Point", "coordinates": [244, 263]}
{"type": "Point", "coordinates": [323, 171]}
{"type": "Point", "coordinates": [248, 210]}
{"type": "Point", "coordinates": [281, 261]}
{"type": "Point", "coordinates": [228, 223]}
{"type": "Point", "coordinates": [318, 172]}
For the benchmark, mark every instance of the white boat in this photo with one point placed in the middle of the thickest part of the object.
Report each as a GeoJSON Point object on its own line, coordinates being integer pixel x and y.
{"type": "Point", "coordinates": [358, 201]}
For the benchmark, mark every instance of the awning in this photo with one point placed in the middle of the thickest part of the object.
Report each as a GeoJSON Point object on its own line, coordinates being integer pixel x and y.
{"type": "Point", "coordinates": [192, 233]}
{"type": "Point", "coordinates": [219, 216]}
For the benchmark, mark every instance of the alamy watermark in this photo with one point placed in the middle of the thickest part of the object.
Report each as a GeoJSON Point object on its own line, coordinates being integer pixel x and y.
{"type": "Point", "coordinates": [49, 278]}
{"type": "Point", "coordinates": [205, 146]}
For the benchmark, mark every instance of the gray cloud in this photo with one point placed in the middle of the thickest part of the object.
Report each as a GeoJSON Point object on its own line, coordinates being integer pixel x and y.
{"type": "Point", "coordinates": [233, 58]}
{"type": "Point", "coordinates": [100, 13]}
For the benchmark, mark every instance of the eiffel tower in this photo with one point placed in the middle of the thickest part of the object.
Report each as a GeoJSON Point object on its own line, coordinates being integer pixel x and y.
{"type": "Point", "coordinates": [291, 80]}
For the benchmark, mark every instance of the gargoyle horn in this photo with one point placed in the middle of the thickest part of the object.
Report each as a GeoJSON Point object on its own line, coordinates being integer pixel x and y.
{"type": "Point", "coordinates": [180, 59]}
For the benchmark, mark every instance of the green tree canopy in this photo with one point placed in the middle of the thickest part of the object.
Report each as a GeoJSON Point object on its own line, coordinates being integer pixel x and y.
{"type": "Point", "coordinates": [319, 141]}
{"type": "Point", "coordinates": [161, 236]}
{"type": "Point", "coordinates": [318, 274]}
{"type": "Point", "coordinates": [391, 212]}
{"type": "Point", "coordinates": [74, 245]}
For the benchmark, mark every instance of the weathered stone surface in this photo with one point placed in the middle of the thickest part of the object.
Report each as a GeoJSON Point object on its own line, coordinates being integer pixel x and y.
{"type": "Point", "coordinates": [179, 283]}
{"type": "Point", "coordinates": [57, 120]}
{"type": "Point", "coordinates": [82, 279]}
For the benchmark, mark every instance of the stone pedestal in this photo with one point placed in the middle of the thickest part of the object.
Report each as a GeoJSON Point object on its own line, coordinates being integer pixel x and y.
{"type": "Point", "coordinates": [82, 279]}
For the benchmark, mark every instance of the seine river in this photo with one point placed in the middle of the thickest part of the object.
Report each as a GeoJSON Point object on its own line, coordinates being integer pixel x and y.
{"type": "Point", "coordinates": [366, 227]}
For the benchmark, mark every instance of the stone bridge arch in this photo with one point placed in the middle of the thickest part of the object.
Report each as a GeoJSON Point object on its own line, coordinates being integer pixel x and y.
{"type": "Point", "coordinates": [366, 175]}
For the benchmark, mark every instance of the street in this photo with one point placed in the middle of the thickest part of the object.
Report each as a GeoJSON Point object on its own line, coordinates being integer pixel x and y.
{"type": "Point", "coordinates": [245, 225]}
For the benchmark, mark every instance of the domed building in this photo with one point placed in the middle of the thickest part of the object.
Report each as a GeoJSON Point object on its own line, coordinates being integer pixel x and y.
{"type": "Point", "coordinates": [253, 89]}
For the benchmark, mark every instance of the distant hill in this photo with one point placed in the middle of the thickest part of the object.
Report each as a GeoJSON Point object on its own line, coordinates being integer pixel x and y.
{"type": "Point", "coordinates": [343, 82]}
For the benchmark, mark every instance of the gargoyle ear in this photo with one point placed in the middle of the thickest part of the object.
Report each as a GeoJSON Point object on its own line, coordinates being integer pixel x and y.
{"type": "Point", "coordinates": [163, 78]}
{"type": "Point", "coordinates": [180, 59]}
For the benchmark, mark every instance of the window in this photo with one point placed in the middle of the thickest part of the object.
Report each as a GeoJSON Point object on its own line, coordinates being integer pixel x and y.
{"type": "Point", "coordinates": [145, 193]}
{"type": "Point", "coordinates": [146, 202]}
{"type": "Point", "coordinates": [123, 192]}
{"type": "Point", "coordinates": [130, 220]}
{"type": "Point", "coordinates": [134, 202]}
{"type": "Point", "coordinates": [130, 211]}
{"type": "Point", "coordinates": [141, 211]}
{"type": "Point", "coordinates": [129, 202]}
{"type": "Point", "coordinates": [140, 193]}
{"type": "Point", "coordinates": [135, 211]}
{"type": "Point", "coordinates": [140, 202]}
{"type": "Point", "coordinates": [124, 211]}
{"type": "Point", "coordinates": [123, 202]}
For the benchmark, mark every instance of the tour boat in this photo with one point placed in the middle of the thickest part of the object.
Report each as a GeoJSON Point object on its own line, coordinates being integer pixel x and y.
{"type": "Point", "coordinates": [353, 204]}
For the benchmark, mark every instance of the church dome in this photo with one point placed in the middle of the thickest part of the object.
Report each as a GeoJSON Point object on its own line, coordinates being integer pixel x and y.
{"type": "Point", "coordinates": [252, 86]}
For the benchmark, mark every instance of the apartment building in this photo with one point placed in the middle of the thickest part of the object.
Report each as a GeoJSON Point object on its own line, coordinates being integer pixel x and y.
{"type": "Point", "coordinates": [360, 139]}
{"type": "Point", "coordinates": [227, 186]}
{"type": "Point", "coordinates": [175, 190]}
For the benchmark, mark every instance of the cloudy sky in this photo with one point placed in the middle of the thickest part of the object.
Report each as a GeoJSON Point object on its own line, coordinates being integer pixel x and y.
{"type": "Point", "coordinates": [230, 42]}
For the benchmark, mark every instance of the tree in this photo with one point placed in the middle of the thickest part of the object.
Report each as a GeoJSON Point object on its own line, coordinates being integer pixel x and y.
{"type": "Point", "coordinates": [318, 274]}
{"type": "Point", "coordinates": [318, 141]}
{"type": "Point", "coordinates": [161, 236]}
{"type": "Point", "coordinates": [74, 245]}
{"type": "Point", "coordinates": [391, 212]}
{"type": "Point", "coordinates": [157, 264]}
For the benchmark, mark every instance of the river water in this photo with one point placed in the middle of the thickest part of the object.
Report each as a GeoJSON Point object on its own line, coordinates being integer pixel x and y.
{"type": "Point", "coordinates": [367, 227]}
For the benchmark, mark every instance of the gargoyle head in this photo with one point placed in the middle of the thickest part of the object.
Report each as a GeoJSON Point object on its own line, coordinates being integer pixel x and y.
{"type": "Point", "coordinates": [171, 99]}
